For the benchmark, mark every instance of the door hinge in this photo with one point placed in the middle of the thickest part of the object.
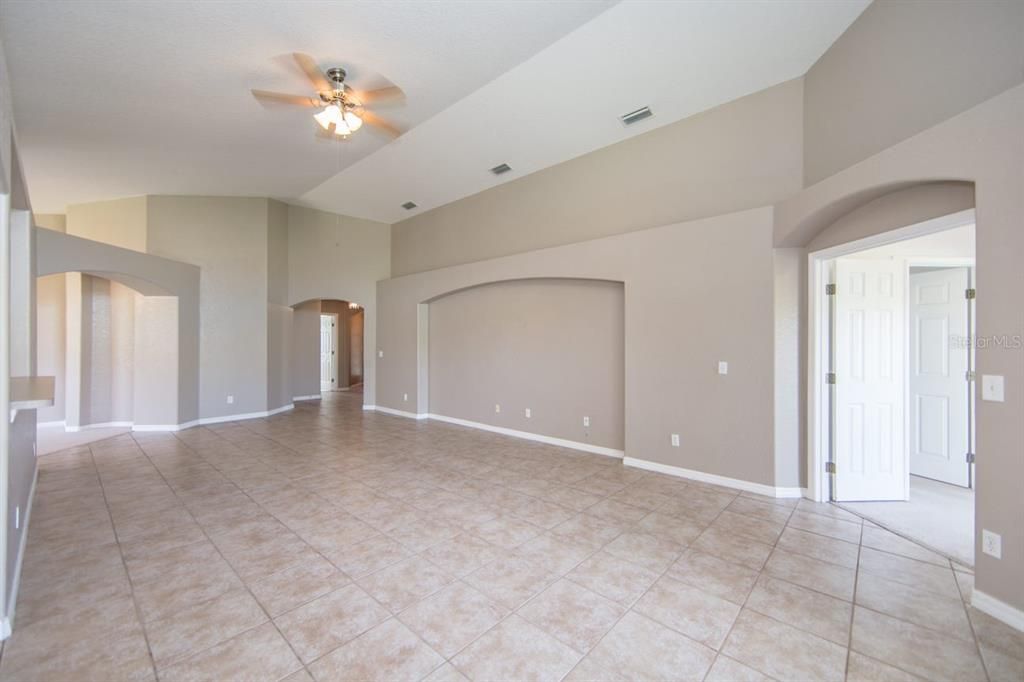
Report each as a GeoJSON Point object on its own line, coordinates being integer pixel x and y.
{"type": "Point", "coordinates": [970, 375]}
{"type": "Point", "coordinates": [830, 467]}
{"type": "Point", "coordinates": [830, 289]}
{"type": "Point", "coordinates": [970, 458]}
{"type": "Point", "coordinates": [830, 378]}
{"type": "Point", "coordinates": [970, 294]}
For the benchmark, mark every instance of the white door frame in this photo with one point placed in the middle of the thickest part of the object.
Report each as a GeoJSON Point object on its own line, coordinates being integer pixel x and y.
{"type": "Point", "coordinates": [334, 347]}
{"type": "Point", "coordinates": [818, 332]}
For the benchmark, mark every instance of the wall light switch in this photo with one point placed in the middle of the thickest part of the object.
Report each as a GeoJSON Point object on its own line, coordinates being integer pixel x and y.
{"type": "Point", "coordinates": [380, 354]}
{"type": "Point", "coordinates": [723, 367]}
{"type": "Point", "coordinates": [405, 397]}
{"type": "Point", "coordinates": [527, 412]}
{"type": "Point", "coordinates": [497, 409]}
{"type": "Point", "coordinates": [675, 440]}
{"type": "Point", "coordinates": [231, 400]}
{"type": "Point", "coordinates": [992, 387]}
{"type": "Point", "coordinates": [586, 421]}
{"type": "Point", "coordinates": [992, 544]}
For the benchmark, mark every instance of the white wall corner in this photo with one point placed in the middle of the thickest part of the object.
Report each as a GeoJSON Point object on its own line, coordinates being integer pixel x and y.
{"type": "Point", "coordinates": [998, 609]}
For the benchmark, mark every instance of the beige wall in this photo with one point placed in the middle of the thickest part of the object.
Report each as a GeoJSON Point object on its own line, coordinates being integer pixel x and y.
{"type": "Point", "coordinates": [120, 222]}
{"type": "Point", "coordinates": [902, 67]}
{"type": "Point", "coordinates": [337, 257]}
{"type": "Point", "coordinates": [552, 345]}
{"type": "Point", "coordinates": [227, 238]}
{"type": "Point", "coordinates": [740, 155]}
{"type": "Point", "coordinates": [304, 351]}
{"type": "Point", "coordinates": [681, 319]}
{"type": "Point", "coordinates": [108, 349]}
{"type": "Point", "coordinates": [279, 314]}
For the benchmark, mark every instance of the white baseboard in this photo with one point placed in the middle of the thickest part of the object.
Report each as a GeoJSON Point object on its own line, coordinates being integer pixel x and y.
{"type": "Point", "coordinates": [102, 425]}
{"type": "Point", "coordinates": [714, 479]}
{"type": "Point", "coordinates": [161, 427]}
{"type": "Point", "coordinates": [369, 407]}
{"type": "Point", "coordinates": [397, 413]}
{"type": "Point", "coordinates": [7, 623]}
{"type": "Point", "coordinates": [998, 609]}
{"type": "Point", "coordinates": [51, 425]}
{"type": "Point", "coordinates": [247, 415]}
{"type": "Point", "coordinates": [297, 398]}
{"type": "Point", "coordinates": [526, 435]}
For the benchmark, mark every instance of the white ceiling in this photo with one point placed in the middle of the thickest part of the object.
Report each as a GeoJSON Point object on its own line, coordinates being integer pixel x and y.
{"type": "Point", "coordinates": [125, 98]}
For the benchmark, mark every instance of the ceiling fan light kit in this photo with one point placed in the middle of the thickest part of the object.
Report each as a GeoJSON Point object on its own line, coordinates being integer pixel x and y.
{"type": "Point", "coordinates": [342, 109]}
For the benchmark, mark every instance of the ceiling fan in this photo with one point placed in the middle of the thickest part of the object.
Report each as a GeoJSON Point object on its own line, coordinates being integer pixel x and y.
{"type": "Point", "coordinates": [343, 110]}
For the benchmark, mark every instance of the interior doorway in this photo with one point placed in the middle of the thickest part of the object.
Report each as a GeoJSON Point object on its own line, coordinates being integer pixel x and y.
{"type": "Point", "coordinates": [328, 351]}
{"type": "Point", "coordinates": [340, 344]}
{"type": "Point", "coordinates": [893, 417]}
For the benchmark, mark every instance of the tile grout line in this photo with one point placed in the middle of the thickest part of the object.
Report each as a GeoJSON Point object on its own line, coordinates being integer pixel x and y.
{"type": "Point", "coordinates": [193, 654]}
{"type": "Point", "coordinates": [853, 604]}
{"type": "Point", "coordinates": [124, 563]}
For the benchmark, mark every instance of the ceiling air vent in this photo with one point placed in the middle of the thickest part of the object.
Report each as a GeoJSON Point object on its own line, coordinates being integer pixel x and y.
{"type": "Point", "coordinates": [408, 206]}
{"type": "Point", "coordinates": [635, 116]}
{"type": "Point", "coordinates": [502, 168]}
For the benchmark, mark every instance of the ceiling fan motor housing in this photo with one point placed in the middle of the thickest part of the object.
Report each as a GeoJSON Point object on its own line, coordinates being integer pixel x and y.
{"type": "Point", "coordinates": [337, 76]}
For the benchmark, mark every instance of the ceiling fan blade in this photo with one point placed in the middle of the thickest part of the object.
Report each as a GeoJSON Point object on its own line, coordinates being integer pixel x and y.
{"type": "Point", "coordinates": [376, 121]}
{"type": "Point", "coordinates": [313, 72]}
{"type": "Point", "coordinates": [379, 95]}
{"type": "Point", "coordinates": [285, 98]}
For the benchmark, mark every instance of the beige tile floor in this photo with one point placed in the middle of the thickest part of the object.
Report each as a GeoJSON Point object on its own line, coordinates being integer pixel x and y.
{"type": "Point", "coordinates": [336, 545]}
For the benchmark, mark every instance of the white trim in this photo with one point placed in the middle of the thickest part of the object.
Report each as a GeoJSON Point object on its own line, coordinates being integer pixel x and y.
{"type": "Point", "coordinates": [817, 356]}
{"type": "Point", "coordinates": [247, 415]}
{"type": "Point", "coordinates": [714, 479]}
{"type": "Point", "coordinates": [306, 397]}
{"type": "Point", "coordinates": [526, 435]}
{"type": "Point", "coordinates": [998, 609]}
{"type": "Point", "coordinates": [161, 427]}
{"type": "Point", "coordinates": [397, 413]}
{"type": "Point", "coordinates": [51, 425]}
{"type": "Point", "coordinates": [369, 407]}
{"type": "Point", "coordinates": [7, 623]}
{"type": "Point", "coordinates": [101, 425]}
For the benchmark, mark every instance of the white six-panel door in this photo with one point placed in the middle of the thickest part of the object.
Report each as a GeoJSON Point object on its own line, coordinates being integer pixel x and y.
{"type": "Point", "coordinates": [327, 353]}
{"type": "Point", "coordinates": [869, 336]}
{"type": "Point", "coordinates": [938, 369]}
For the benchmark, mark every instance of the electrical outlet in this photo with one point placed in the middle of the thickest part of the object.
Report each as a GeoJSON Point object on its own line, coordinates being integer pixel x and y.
{"type": "Point", "coordinates": [380, 354]}
{"type": "Point", "coordinates": [231, 400]}
{"type": "Point", "coordinates": [675, 440]}
{"type": "Point", "coordinates": [992, 544]}
{"type": "Point", "coordinates": [528, 413]}
{"type": "Point", "coordinates": [497, 408]}
{"type": "Point", "coordinates": [723, 367]}
{"type": "Point", "coordinates": [586, 421]}
{"type": "Point", "coordinates": [405, 397]}
{"type": "Point", "coordinates": [992, 387]}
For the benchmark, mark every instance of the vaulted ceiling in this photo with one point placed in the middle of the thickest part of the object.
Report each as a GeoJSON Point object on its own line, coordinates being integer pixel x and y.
{"type": "Point", "coordinates": [125, 98]}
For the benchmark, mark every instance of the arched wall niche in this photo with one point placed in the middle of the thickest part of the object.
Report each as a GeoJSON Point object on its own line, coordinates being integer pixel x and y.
{"type": "Point", "coordinates": [550, 345]}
